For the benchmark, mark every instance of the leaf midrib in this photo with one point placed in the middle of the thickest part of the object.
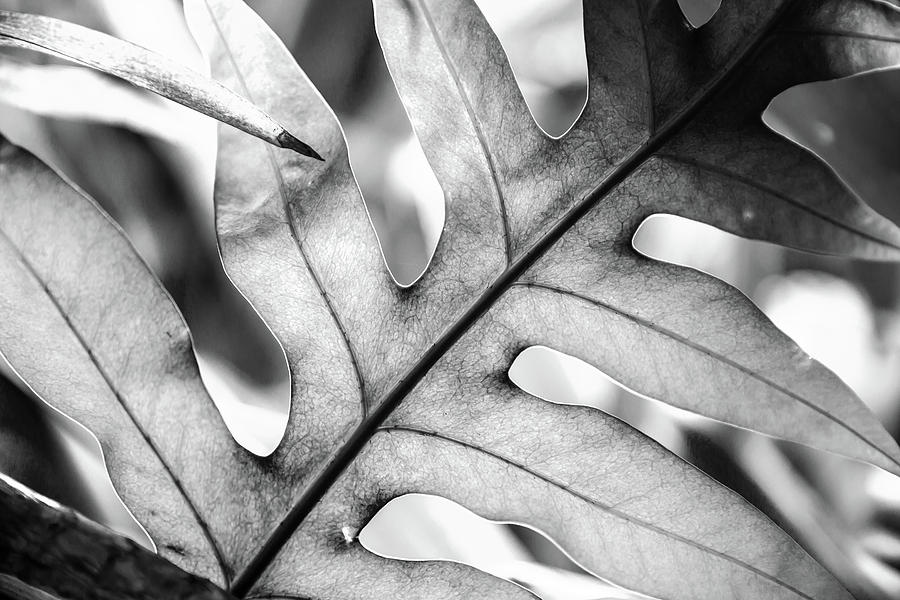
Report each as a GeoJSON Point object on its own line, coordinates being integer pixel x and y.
{"type": "Point", "coordinates": [368, 427]}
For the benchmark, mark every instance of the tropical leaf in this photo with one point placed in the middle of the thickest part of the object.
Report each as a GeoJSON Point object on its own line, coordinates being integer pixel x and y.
{"type": "Point", "coordinates": [400, 391]}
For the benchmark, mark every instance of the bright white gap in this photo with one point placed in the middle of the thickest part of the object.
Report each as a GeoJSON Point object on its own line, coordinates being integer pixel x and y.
{"type": "Point", "coordinates": [424, 527]}
{"type": "Point", "coordinates": [544, 42]}
{"type": "Point", "coordinates": [95, 496]}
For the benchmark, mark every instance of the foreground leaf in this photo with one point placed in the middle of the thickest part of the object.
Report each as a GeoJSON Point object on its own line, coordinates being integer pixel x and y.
{"type": "Point", "coordinates": [45, 90]}
{"type": "Point", "coordinates": [145, 69]}
{"type": "Point", "coordinates": [536, 251]}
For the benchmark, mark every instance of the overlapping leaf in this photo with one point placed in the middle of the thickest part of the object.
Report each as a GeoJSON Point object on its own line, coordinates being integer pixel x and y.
{"type": "Point", "coordinates": [536, 251]}
{"type": "Point", "coordinates": [143, 68]}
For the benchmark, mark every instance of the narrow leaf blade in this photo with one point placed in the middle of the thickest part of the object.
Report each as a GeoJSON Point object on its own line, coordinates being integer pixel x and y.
{"type": "Point", "coordinates": [145, 69]}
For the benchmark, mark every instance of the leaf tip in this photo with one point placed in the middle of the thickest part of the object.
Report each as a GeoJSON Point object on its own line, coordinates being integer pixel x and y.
{"type": "Point", "coordinates": [286, 140]}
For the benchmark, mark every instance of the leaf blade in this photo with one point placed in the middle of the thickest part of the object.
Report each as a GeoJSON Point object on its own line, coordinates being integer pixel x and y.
{"type": "Point", "coordinates": [145, 69]}
{"type": "Point", "coordinates": [305, 506]}
{"type": "Point", "coordinates": [54, 278]}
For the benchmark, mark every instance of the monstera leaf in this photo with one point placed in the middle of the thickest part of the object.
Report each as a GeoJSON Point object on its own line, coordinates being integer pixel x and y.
{"type": "Point", "coordinates": [406, 390]}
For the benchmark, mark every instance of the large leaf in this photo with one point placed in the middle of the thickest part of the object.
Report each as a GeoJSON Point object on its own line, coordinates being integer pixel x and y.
{"type": "Point", "coordinates": [406, 390]}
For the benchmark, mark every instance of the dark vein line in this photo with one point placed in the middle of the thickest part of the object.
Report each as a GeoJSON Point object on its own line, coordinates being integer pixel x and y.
{"type": "Point", "coordinates": [476, 125]}
{"type": "Point", "coordinates": [207, 533]}
{"type": "Point", "coordinates": [601, 505]}
{"type": "Point", "coordinates": [728, 174]}
{"type": "Point", "coordinates": [343, 456]}
{"type": "Point", "coordinates": [712, 354]}
{"type": "Point", "coordinates": [289, 213]}
{"type": "Point", "coordinates": [651, 112]}
{"type": "Point", "coordinates": [843, 33]}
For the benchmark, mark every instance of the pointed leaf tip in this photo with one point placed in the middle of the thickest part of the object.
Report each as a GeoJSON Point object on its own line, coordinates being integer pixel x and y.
{"type": "Point", "coordinates": [145, 69]}
{"type": "Point", "coordinates": [698, 13]}
{"type": "Point", "coordinates": [286, 140]}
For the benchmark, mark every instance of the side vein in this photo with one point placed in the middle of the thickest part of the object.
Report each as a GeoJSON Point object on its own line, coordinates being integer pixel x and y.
{"type": "Point", "coordinates": [289, 214]}
{"type": "Point", "coordinates": [651, 112]}
{"type": "Point", "coordinates": [601, 505]}
{"type": "Point", "coordinates": [476, 124]}
{"type": "Point", "coordinates": [736, 177]}
{"type": "Point", "coordinates": [712, 354]}
{"type": "Point", "coordinates": [839, 33]}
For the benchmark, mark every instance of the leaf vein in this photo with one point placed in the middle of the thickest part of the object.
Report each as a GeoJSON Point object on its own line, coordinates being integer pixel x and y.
{"type": "Point", "coordinates": [107, 380]}
{"type": "Point", "coordinates": [736, 177]}
{"type": "Point", "coordinates": [651, 113]}
{"type": "Point", "coordinates": [843, 33]}
{"type": "Point", "coordinates": [712, 354]}
{"type": "Point", "coordinates": [597, 503]}
{"type": "Point", "coordinates": [289, 214]}
{"type": "Point", "coordinates": [476, 125]}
